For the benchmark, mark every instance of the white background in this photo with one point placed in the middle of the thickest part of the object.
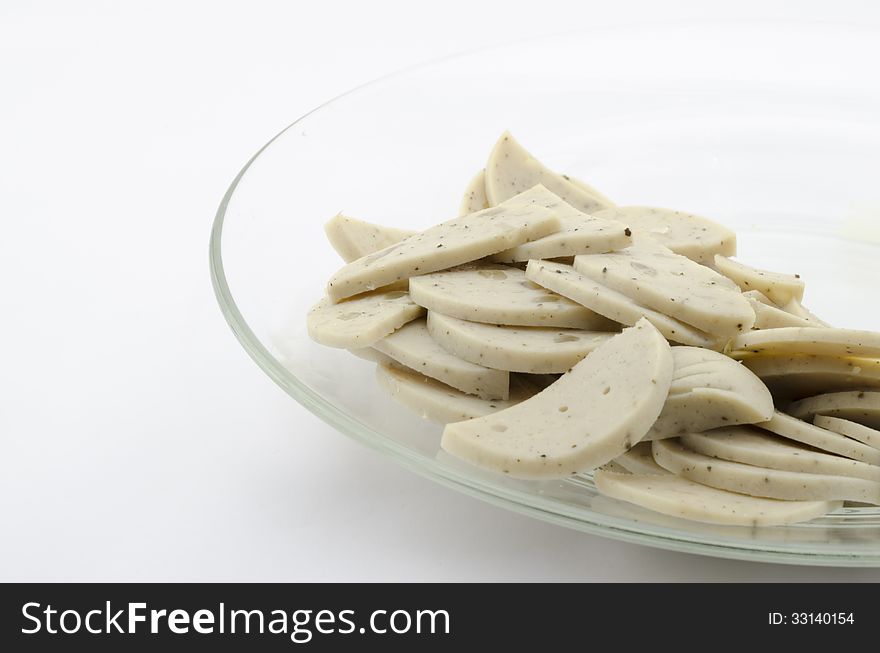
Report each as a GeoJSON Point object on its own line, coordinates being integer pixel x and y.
{"type": "Point", "coordinates": [139, 442]}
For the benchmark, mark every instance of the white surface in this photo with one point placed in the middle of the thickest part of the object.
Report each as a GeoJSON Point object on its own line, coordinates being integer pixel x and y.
{"type": "Point", "coordinates": [138, 439]}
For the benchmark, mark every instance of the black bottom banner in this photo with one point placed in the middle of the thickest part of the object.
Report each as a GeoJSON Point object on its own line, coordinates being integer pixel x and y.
{"type": "Point", "coordinates": [333, 617]}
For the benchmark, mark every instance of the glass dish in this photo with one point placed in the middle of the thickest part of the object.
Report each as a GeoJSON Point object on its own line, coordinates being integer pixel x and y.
{"type": "Point", "coordinates": [773, 130]}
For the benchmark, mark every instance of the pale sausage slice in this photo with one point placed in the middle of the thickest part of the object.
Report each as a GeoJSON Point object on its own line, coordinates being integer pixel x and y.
{"type": "Point", "coordinates": [353, 238]}
{"type": "Point", "coordinates": [696, 237]}
{"type": "Point", "coordinates": [446, 245]}
{"type": "Point", "coordinates": [715, 392]}
{"type": "Point", "coordinates": [567, 281]}
{"type": "Point", "coordinates": [854, 430]}
{"type": "Point", "coordinates": [779, 288]}
{"type": "Point", "coordinates": [673, 285]}
{"type": "Point", "coordinates": [819, 438]}
{"type": "Point", "coordinates": [807, 340]}
{"type": "Point", "coordinates": [794, 376]}
{"type": "Point", "coordinates": [590, 190]}
{"type": "Point", "coordinates": [440, 403]}
{"type": "Point", "coordinates": [413, 346]}
{"type": "Point", "coordinates": [855, 405]}
{"type": "Point", "coordinates": [373, 356]}
{"type": "Point", "coordinates": [591, 415]}
{"type": "Point", "coordinates": [769, 316]}
{"type": "Point", "coordinates": [580, 233]}
{"type": "Point", "coordinates": [673, 456]}
{"type": "Point", "coordinates": [474, 195]}
{"type": "Point", "coordinates": [639, 460]}
{"type": "Point", "coordinates": [744, 444]}
{"type": "Point", "coordinates": [688, 358]}
{"type": "Point", "coordinates": [499, 294]}
{"type": "Point", "coordinates": [511, 170]}
{"type": "Point", "coordinates": [361, 321]}
{"type": "Point", "coordinates": [679, 497]}
{"type": "Point", "coordinates": [533, 350]}
{"type": "Point", "coordinates": [796, 308]}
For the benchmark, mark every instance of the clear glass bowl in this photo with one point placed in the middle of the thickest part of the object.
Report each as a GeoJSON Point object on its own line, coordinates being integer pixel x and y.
{"type": "Point", "coordinates": [773, 130]}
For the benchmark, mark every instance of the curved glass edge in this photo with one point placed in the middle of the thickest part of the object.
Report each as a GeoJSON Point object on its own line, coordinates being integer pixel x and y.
{"type": "Point", "coordinates": [510, 499]}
